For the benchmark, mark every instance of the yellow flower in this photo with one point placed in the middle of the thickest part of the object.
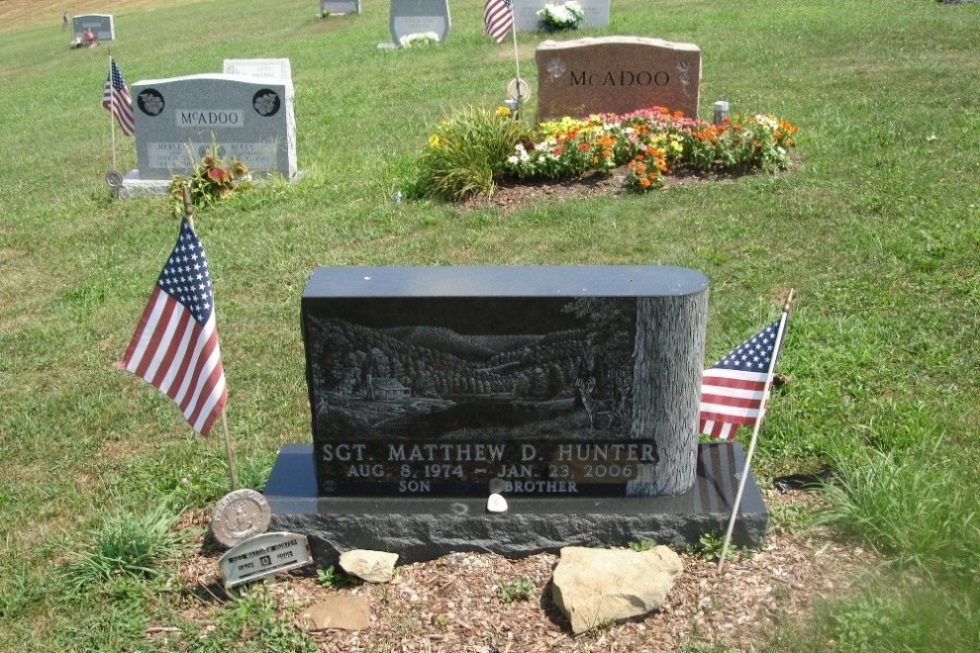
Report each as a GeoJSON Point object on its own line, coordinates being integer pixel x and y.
{"type": "Point", "coordinates": [503, 112]}
{"type": "Point", "coordinates": [436, 142]}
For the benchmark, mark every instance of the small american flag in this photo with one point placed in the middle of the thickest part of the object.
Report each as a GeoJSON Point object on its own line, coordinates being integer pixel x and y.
{"type": "Point", "coordinates": [116, 98]}
{"type": "Point", "coordinates": [498, 18]}
{"type": "Point", "coordinates": [175, 347]}
{"type": "Point", "coordinates": [732, 389]}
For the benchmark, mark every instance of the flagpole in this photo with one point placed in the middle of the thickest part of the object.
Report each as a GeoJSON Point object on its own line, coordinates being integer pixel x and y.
{"type": "Point", "coordinates": [112, 110]}
{"type": "Point", "coordinates": [229, 454]}
{"type": "Point", "coordinates": [755, 430]}
{"type": "Point", "coordinates": [517, 60]}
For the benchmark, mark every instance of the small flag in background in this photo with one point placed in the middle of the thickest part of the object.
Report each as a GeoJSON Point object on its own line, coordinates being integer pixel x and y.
{"type": "Point", "coordinates": [175, 347]}
{"type": "Point", "coordinates": [116, 98]}
{"type": "Point", "coordinates": [498, 18]}
{"type": "Point", "coordinates": [731, 389]}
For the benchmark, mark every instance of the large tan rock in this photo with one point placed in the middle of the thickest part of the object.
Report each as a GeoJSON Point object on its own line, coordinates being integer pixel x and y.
{"type": "Point", "coordinates": [338, 611]}
{"type": "Point", "coordinates": [616, 74]}
{"type": "Point", "coordinates": [596, 586]}
{"type": "Point", "coordinates": [372, 566]}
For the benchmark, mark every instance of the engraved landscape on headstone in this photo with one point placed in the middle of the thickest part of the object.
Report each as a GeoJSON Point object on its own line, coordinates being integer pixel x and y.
{"type": "Point", "coordinates": [245, 119]}
{"type": "Point", "coordinates": [616, 74]}
{"type": "Point", "coordinates": [102, 26]}
{"type": "Point", "coordinates": [555, 381]}
{"type": "Point", "coordinates": [409, 17]}
{"type": "Point", "coordinates": [526, 19]}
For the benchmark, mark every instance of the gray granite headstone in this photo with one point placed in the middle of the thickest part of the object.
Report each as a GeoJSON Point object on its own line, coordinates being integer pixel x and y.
{"type": "Point", "coordinates": [419, 17]}
{"type": "Point", "coordinates": [341, 6]}
{"type": "Point", "coordinates": [277, 70]}
{"type": "Point", "coordinates": [100, 24]}
{"type": "Point", "coordinates": [249, 120]}
{"type": "Point", "coordinates": [596, 13]}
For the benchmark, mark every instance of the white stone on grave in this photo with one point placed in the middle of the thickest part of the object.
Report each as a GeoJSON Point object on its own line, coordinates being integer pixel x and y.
{"type": "Point", "coordinates": [271, 69]}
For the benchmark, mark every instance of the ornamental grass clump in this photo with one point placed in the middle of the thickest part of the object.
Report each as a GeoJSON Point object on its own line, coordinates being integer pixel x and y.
{"type": "Point", "coordinates": [466, 154]}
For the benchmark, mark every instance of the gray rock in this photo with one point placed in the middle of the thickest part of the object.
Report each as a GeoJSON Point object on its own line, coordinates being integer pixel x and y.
{"type": "Point", "coordinates": [596, 586]}
{"type": "Point", "coordinates": [372, 566]}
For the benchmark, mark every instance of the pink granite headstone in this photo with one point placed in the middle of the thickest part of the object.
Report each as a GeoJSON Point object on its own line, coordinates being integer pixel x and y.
{"type": "Point", "coordinates": [616, 74]}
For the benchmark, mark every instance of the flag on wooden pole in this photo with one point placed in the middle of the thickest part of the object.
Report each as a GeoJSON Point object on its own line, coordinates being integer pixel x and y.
{"type": "Point", "coordinates": [175, 347]}
{"type": "Point", "coordinates": [734, 388]}
{"type": "Point", "coordinates": [498, 18]}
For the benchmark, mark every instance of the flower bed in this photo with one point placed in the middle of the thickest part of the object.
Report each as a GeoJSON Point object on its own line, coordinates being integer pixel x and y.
{"type": "Point", "coordinates": [651, 143]}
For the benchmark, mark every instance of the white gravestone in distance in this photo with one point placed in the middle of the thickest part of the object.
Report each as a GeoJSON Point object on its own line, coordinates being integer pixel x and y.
{"type": "Point", "coordinates": [419, 17]}
{"type": "Point", "coordinates": [274, 70]}
{"type": "Point", "coordinates": [100, 24]}
{"type": "Point", "coordinates": [341, 6]}
{"type": "Point", "coordinates": [526, 13]}
{"type": "Point", "coordinates": [247, 119]}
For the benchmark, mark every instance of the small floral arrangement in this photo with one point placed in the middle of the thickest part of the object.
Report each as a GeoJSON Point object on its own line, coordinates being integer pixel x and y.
{"type": "Point", "coordinates": [558, 17]}
{"type": "Point", "coordinates": [210, 181]}
{"type": "Point", "coordinates": [419, 40]}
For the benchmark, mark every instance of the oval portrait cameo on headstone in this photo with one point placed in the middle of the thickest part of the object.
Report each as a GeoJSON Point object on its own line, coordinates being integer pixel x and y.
{"type": "Point", "coordinates": [150, 102]}
{"type": "Point", "coordinates": [266, 102]}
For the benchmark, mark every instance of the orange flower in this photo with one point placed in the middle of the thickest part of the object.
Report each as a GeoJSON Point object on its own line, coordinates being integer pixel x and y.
{"type": "Point", "coordinates": [644, 182]}
{"type": "Point", "coordinates": [584, 147]}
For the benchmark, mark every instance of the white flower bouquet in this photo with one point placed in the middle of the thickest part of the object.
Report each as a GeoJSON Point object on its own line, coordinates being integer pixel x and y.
{"type": "Point", "coordinates": [557, 17]}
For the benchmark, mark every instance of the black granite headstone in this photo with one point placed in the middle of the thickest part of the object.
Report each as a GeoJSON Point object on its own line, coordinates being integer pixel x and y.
{"type": "Point", "coordinates": [530, 381]}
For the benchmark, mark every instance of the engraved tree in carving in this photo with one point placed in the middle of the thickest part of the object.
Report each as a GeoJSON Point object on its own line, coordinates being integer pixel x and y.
{"type": "Point", "coordinates": [668, 361]}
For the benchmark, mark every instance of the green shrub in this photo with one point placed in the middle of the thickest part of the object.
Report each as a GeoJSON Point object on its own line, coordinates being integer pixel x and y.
{"type": "Point", "coordinates": [466, 154]}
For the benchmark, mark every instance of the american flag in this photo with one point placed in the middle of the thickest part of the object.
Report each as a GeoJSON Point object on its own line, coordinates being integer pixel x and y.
{"type": "Point", "coordinates": [498, 18]}
{"type": "Point", "coordinates": [175, 347]}
{"type": "Point", "coordinates": [732, 389]}
{"type": "Point", "coordinates": [116, 98]}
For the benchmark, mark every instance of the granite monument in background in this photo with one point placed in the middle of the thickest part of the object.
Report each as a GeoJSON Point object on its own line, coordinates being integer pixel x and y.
{"type": "Point", "coordinates": [596, 13]}
{"type": "Point", "coordinates": [239, 118]}
{"type": "Point", "coordinates": [409, 17]}
{"type": "Point", "coordinates": [102, 26]}
{"type": "Point", "coordinates": [616, 74]}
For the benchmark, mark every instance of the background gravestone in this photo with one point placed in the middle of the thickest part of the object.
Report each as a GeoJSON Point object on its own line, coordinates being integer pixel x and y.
{"type": "Point", "coordinates": [270, 69]}
{"type": "Point", "coordinates": [340, 6]}
{"type": "Point", "coordinates": [101, 25]}
{"type": "Point", "coordinates": [418, 17]}
{"type": "Point", "coordinates": [247, 119]}
{"type": "Point", "coordinates": [596, 13]}
{"type": "Point", "coordinates": [616, 74]}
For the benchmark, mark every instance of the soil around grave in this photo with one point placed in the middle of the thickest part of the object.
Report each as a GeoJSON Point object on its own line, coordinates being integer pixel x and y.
{"type": "Point", "coordinates": [450, 605]}
{"type": "Point", "coordinates": [512, 195]}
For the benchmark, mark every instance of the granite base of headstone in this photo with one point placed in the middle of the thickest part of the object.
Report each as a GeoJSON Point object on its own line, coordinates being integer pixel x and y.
{"type": "Point", "coordinates": [420, 529]}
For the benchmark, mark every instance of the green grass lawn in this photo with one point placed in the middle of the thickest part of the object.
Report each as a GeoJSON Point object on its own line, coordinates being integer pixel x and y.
{"type": "Point", "coordinates": [877, 227]}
